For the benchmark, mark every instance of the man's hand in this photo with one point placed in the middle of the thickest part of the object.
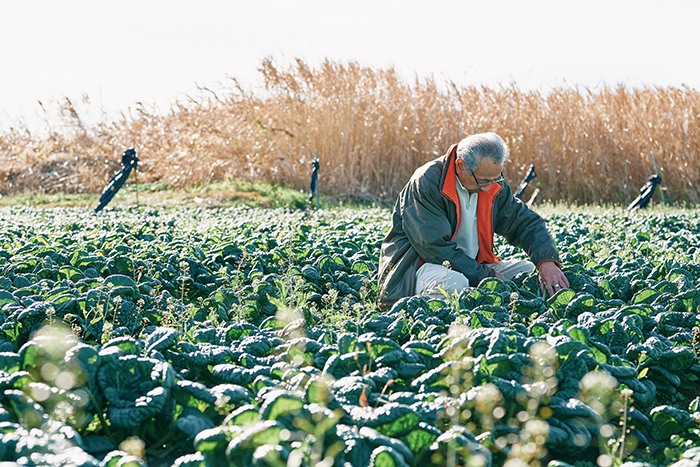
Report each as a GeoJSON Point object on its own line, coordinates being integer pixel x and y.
{"type": "Point", "coordinates": [499, 276]}
{"type": "Point", "coordinates": [552, 278]}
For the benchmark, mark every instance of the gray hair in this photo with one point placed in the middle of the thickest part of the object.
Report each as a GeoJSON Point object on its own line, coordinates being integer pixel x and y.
{"type": "Point", "coordinates": [474, 148]}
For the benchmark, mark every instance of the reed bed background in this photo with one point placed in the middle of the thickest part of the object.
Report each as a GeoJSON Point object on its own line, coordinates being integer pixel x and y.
{"type": "Point", "coordinates": [372, 129]}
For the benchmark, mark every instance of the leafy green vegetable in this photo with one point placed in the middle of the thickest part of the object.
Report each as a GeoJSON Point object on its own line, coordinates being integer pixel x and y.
{"type": "Point", "coordinates": [254, 338]}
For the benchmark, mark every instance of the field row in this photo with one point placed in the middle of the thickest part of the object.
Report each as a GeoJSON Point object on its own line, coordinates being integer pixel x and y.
{"type": "Point", "coordinates": [253, 337]}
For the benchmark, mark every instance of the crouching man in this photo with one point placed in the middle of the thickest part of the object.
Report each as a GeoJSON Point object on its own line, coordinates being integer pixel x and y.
{"type": "Point", "coordinates": [443, 225]}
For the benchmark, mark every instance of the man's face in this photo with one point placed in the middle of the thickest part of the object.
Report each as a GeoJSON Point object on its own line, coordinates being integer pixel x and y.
{"type": "Point", "coordinates": [487, 172]}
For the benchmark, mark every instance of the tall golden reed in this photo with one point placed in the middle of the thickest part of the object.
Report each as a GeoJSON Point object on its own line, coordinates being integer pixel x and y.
{"type": "Point", "coordinates": [372, 129]}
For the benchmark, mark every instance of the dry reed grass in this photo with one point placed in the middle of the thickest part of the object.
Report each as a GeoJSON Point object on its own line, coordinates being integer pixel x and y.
{"type": "Point", "coordinates": [372, 129]}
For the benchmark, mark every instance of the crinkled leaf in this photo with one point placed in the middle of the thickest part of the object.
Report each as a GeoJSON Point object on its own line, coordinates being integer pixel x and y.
{"type": "Point", "coordinates": [192, 422]}
{"type": "Point", "coordinates": [247, 414]}
{"type": "Point", "coordinates": [420, 438]}
{"type": "Point", "coordinates": [161, 339]}
{"type": "Point", "coordinates": [194, 394]}
{"type": "Point", "coordinates": [644, 296]}
{"type": "Point", "coordinates": [572, 408]}
{"type": "Point", "coordinates": [263, 432]}
{"type": "Point", "coordinates": [317, 391]}
{"type": "Point", "coordinates": [215, 439]}
{"type": "Point", "coordinates": [668, 421]}
{"type": "Point", "coordinates": [7, 297]}
{"type": "Point", "coordinates": [385, 456]}
{"type": "Point", "coordinates": [677, 359]}
{"type": "Point", "coordinates": [71, 273]}
{"type": "Point", "coordinates": [10, 362]}
{"type": "Point", "coordinates": [126, 344]}
{"type": "Point", "coordinates": [232, 394]}
{"type": "Point", "coordinates": [119, 458]}
{"type": "Point", "coordinates": [280, 403]}
{"type": "Point", "coordinates": [391, 419]}
{"type": "Point", "coordinates": [560, 300]}
{"type": "Point", "coordinates": [360, 267]}
{"type": "Point", "coordinates": [120, 280]}
{"type": "Point", "coordinates": [190, 460]}
{"type": "Point", "coordinates": [376, 439]}
{"type": "Point", "coordinates": [31, 355]}
{"type": "Point", "coordinates": [137, 389]}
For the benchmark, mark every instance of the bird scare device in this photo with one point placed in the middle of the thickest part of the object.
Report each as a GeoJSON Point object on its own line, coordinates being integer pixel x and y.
{"type": "Point", "coordinates": [129, 161]}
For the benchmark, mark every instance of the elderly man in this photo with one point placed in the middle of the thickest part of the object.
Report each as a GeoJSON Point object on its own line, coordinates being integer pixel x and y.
{"type": "Point", "coordinates": [443, 225]}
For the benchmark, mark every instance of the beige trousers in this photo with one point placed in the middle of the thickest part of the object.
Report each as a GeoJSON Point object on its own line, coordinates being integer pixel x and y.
{"type": "Point", "coordinates": [430, 276]}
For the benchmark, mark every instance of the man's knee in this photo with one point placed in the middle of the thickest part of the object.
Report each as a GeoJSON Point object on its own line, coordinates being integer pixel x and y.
{"type": "Point", "coordinates": [513, 267]}
{"type": "Point", "coordinates": [430, 277]}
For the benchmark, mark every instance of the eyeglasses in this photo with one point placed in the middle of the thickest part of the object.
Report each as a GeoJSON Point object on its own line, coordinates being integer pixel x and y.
{"type": "Point", "coordinates": [499, 179]}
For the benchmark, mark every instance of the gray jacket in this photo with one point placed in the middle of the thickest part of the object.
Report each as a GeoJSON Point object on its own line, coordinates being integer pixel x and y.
{"type": "Point", "coordinates": [425, 219]}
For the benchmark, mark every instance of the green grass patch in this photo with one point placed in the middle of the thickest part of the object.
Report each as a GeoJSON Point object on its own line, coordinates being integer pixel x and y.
{"type": "Point", "coordinates": [216, 194]}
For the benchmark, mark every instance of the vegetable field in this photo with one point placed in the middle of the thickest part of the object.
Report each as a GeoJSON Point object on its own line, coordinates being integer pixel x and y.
{"type": "Point", "coordinates": [247, 337]}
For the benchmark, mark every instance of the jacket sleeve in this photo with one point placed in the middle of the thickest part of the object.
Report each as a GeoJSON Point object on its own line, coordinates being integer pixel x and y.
{"type": "Point", "coordinates": [425, 222]}
{"type": "Point", "coordinates": [521, 226]}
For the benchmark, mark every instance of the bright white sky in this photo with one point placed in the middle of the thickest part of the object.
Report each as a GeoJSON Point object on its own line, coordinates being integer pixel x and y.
{"type": "Point", "coordinates": [157, 51]}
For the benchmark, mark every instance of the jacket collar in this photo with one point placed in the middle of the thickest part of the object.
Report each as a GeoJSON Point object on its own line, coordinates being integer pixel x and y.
{"type": "Point", "coordinates": [448, 183]}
